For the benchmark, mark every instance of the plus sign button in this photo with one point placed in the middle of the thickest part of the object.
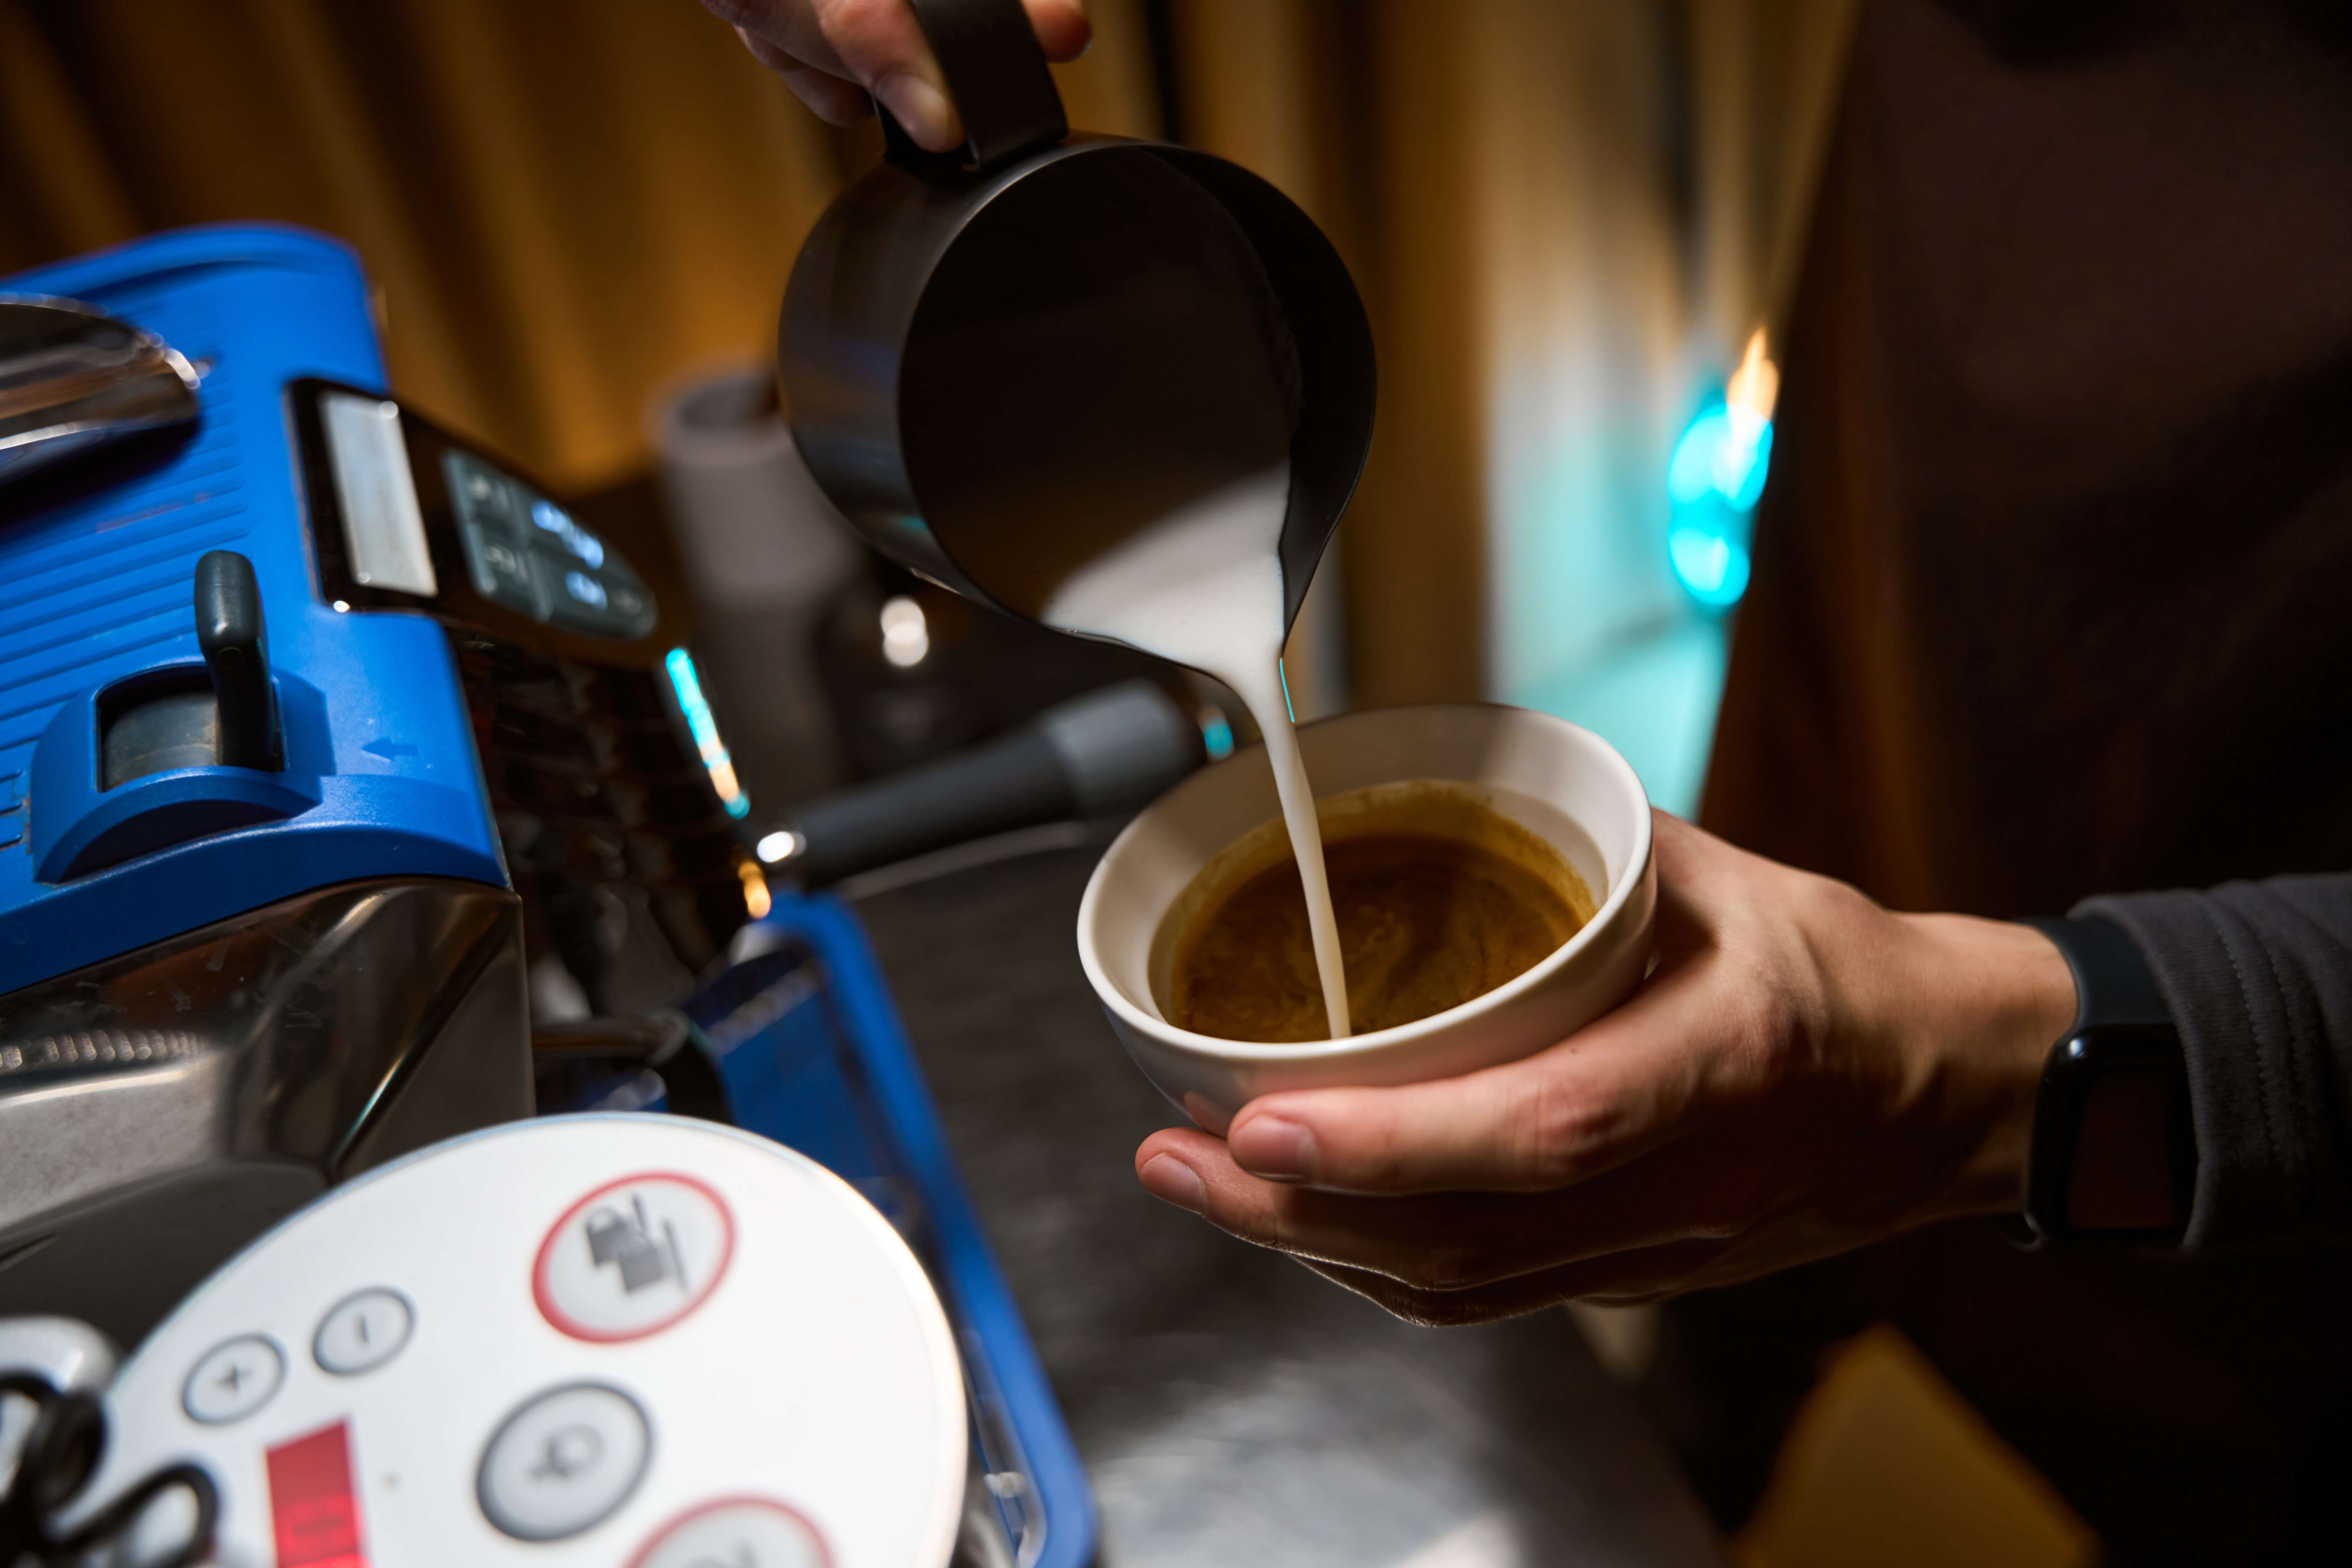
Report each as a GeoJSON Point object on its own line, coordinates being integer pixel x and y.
{"type": "Point", "coordinates": [562, 1461]}
{"type": "Point", "coordinates": [738, 1532]}
{"type": "Point", "coordinates": [633, 1258]}
{"type": "Point", "coordinates": [235, 1379]}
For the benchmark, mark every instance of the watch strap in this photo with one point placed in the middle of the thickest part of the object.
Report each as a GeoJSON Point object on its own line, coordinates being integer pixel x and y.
{"type": "Point", "coordinates": [2121, 1025]}
{"type": "Point", "coordinates": [2113, 983]}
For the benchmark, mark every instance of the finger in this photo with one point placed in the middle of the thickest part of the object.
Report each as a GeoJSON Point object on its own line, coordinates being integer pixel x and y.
{"type": "Point", "coordinates": [874, 45]}
{"type": "Point", "coordinates": [877, 46]}
{"type": "Point", "coordinates": [1609, 1093]}
{"type": "Point", "coordinates": [1062, 29]}
{"type": "Point", "coordinates": [790, 28]}
{"type": "Point", "coordinates": [1645, 1276]}
{"type": "Point", "coordinates": [859, 39]}
{"type": "Point", "coordinates": [881, 47]}
{"type": "Point", "coordinates": [1712, 1195]}
{"type": "Point", "coordinates": [835, 101]}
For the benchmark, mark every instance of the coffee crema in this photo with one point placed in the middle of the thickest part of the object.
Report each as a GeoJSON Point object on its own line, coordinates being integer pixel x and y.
{"type": "Point", "coordinates": [1439, 900]}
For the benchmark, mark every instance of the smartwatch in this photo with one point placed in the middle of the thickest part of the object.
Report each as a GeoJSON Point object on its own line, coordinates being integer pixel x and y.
{"type": "Point", "coordinates": [2114, 1156]}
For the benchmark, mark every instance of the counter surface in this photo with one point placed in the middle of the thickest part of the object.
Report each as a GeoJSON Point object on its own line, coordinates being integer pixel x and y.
{"type": "Point", "coordinates": [1232, 1407]}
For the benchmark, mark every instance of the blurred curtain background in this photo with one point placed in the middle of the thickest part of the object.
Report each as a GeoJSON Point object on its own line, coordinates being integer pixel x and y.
{"type": "Point", "coordinates": [1568, 217]}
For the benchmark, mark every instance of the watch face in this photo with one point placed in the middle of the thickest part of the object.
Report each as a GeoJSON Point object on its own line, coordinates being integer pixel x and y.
{"type": "Point", "coordinates": [2114, 1153]}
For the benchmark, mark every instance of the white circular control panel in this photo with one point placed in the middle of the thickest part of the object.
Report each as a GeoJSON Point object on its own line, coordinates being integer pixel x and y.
{"type": "Point", "coordinates": [626, 1339]}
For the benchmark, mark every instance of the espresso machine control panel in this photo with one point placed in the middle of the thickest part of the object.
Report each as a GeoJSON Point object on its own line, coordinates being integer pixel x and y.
{"type": "Point", "coordinates": [404, 1374]}
{"type": "Point", "coordinates": [526, 554]}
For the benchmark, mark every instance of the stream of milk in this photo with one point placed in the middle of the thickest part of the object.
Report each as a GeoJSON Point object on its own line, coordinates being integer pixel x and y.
{"type": "Point", "coordinates": [1202, 586]}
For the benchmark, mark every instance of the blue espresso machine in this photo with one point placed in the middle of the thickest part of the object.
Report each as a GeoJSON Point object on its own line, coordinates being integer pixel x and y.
{"type": "Point", "coordinates": [318, 726]}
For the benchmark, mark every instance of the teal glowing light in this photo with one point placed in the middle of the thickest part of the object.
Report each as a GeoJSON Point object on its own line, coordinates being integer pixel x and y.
{"type": "Point", "coordinates": [704, 728]}
{"type": "Point", "coordinates": [1713, 481]}
{"type": "Point", "coordinates": [1216, 734]}
{"type": "Point", "coordinates": [1724, 454]}
{"type": "Point", "coordinates": [1711, 567]}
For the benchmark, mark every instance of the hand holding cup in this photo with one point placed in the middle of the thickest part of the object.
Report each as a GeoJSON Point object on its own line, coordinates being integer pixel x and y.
{"type": "Point", "coordinates": [1803, 1072]}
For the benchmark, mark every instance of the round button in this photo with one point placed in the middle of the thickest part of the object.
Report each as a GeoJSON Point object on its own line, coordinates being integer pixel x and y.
{"type": "Point", "coordinates": [235, 1378]}
{"type": "Point", "coordinates": [737, 1532]}
{"type": "Point", "coordinates": [363, 1331]}
{"type": "Point", "coordinates": [564, 1461]}
{"type": "Point", "coordinates": [633, 1258]}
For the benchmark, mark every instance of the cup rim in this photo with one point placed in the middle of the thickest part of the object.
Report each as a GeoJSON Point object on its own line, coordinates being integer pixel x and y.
{"type": "Point", "coordinates": [1400, 1034]}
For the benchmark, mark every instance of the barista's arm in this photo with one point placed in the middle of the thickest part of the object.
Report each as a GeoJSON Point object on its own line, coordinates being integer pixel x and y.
{"type": "Point", "coordinates": [833, 53]}
{"type": "Point", "coordinates": [1804, 1072]}
{"type": "Point", "coordinates": [2258, 977]}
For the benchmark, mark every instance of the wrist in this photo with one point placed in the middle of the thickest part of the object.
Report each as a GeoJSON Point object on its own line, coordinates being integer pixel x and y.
{"type": "Point", "coordinates": [1983, 1001]}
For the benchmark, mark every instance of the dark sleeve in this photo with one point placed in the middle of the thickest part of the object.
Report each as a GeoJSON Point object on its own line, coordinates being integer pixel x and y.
{"type": "Point", "coordinates": [2259, 979]}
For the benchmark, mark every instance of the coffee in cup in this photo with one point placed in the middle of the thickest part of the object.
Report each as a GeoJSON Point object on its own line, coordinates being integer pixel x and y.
{"type": "Point", "coordinates": [1440, 898]}
{"type": "Point", "coordinates": [1563, 785]}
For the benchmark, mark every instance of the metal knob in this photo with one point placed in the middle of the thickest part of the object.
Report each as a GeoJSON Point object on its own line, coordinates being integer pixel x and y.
{"type": "Point", "coordinates": [73, 378]}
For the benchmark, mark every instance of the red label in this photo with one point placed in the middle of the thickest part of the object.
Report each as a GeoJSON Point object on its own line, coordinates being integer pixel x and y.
{"type": "Point", "coordinates": [312, 1509]}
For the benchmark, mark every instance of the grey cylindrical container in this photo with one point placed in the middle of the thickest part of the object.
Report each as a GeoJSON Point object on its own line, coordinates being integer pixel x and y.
{"type": "Point", "coordinates": [763, 552]}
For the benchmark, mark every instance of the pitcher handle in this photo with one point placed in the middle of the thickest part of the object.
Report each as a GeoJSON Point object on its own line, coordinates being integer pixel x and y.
{"type": "Point", "coordinates": [996, 78]}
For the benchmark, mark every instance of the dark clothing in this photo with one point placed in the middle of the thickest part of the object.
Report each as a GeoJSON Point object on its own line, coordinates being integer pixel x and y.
{"type": "Point", "coordinates": [2053, 574]}
{"type": "Point", "coordinates": [2259, 979]}
{"type": "Point", "coordinates": [2054, 583]}
{"type": "Point", "coordinates": [2053, 599]}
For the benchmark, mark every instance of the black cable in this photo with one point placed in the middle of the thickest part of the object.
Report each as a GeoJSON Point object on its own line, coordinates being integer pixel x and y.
{"type": "Point", "coordinates": [126, 1509]}
{"type": "Point", "coordinates": [60, 1454]}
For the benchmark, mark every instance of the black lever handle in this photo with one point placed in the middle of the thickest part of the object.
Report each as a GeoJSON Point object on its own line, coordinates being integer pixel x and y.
{"type": "Point", "coordinates": [1104, 753]}
{"type": "Point", "coordinates": [236, 648]}
{"type": "Point", "coordinates": [997, 80]}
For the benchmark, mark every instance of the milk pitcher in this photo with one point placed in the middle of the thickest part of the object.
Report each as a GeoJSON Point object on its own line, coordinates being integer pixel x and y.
{"type": "Point", "coordinates": [1002, 362]}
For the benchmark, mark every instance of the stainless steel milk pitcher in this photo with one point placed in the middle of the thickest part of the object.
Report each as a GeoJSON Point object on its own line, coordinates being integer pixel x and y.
{"type": "Point", "coordinates": [1000, 362]}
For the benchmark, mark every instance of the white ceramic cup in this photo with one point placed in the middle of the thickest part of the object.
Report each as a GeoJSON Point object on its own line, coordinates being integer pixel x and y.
{"type": "Point", "coordinates": [1564, 784]}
